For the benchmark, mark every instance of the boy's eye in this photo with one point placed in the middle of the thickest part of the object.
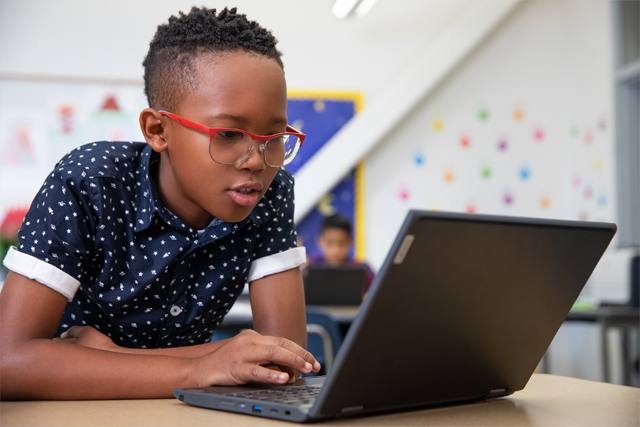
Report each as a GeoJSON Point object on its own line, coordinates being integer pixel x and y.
{"type": "Point", "coordinates": [229, 136]}
{"type": "Point", "coordinates": [279, 139]}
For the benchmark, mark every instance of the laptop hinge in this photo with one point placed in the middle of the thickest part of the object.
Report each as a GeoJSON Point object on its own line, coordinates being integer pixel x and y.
{"type": "Point", "coordinates": [352, 410]}
{"type": "Point", "coordinates": [496, 393]}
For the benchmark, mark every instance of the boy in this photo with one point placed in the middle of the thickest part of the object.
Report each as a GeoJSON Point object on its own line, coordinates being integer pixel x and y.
{"type": "Point", "coordinates": [132, 253]}
{"type": "Point", "coordinates": [335, 242]}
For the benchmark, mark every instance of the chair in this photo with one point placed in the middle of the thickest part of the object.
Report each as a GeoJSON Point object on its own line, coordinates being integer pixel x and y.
{"type": "Point", "coordinates": [323, 337]}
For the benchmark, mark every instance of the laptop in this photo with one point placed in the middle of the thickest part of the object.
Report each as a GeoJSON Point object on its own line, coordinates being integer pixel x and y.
{"type": "Point", "coordinates": [462, 310]}
{"type": "Point", "coordinates": [333, 286]}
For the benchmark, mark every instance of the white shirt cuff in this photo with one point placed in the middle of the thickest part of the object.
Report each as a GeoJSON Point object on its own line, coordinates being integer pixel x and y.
{"type": "Point", "coordinates": [276, 263]}
{"type": "Point", "coordinates": [33, 268]}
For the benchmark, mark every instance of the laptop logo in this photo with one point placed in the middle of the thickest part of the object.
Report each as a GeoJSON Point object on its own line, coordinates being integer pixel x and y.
{"type": "Point", "coordinates": [404, 248]}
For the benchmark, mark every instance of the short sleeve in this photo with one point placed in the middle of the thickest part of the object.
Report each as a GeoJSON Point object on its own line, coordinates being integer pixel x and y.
{"type": "Point", "coordinates": [277, 246]}
{"type": "Point", "coordinates": [56, 237]}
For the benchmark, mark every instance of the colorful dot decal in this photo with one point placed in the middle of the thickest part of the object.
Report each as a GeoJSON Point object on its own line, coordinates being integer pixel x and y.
{"type": "Point", "coordinates": [319, 106]}
{"type": "Point", "coordinates": [588, 192]}
{"type": "Point", "coordinates": [538, 134]}
{"type": "Point", "coordinates": [508, 198]}
{"type": "Point", "coordinates": [602, 200]}
{"type": "Point", "coordinates": [574, 132]}
{"type": "Point", "coordinates": [602, 125]}
{"type": "Point", "coordinates": [465, 142]}
{"type": "Point", "coordinates": [508, 153]}
{"type": "Point", "coordinates": [449, 176]}
{"type": "Point", "coordinates": [404, 194]}
{"type": "Point", "coordinates": [471, 208]}
{"type": "Point", "coordinates": [597, 164]}
{"type": "Point", "coordinates": [545, 202]}
{"type": "Point", "coordinates": [588, 137]}
{"type": "Point", "coordinates": [486, 172]}
{"type": "Point", "coordinates": [518, 114]}
{"type": "Point", "coordinates": [576, 181]}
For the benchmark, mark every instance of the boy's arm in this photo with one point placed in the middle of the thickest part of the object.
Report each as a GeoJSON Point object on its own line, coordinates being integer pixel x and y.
{"type": "Point", "coordinates": [35, 366]}
{"type": "Point", "coordinates": [277, 304]}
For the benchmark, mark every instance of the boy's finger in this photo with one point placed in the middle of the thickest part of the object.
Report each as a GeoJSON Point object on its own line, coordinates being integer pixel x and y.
{"type": "Point", "coordinates": [260, 374]}
{"type": "Point", "coordinates": [281, 356]}
{"type": "Point", "coordinates": [295, 348]}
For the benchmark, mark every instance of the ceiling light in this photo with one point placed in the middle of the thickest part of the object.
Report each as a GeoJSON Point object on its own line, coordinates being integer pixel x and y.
{"type": "Point", "coordinates": [348, 8]}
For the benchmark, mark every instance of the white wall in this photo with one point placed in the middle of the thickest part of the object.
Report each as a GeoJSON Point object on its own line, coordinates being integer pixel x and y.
{"type": "Point", "coordinates": [552, 62]}
{"type": "Point", "coordinates": [109, 38]}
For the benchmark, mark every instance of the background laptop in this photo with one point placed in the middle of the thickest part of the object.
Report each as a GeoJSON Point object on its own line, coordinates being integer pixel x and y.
{"type": "Point", "coordinates": [463, 309]}
{"type": "Point", "coordinates": [332, 286]}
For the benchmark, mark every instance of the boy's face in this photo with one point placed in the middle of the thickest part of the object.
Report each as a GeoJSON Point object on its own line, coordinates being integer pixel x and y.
{"type": "Point", "coordinates": [234, 90]}
{"type": "Point", "coordinates": [335, 244]}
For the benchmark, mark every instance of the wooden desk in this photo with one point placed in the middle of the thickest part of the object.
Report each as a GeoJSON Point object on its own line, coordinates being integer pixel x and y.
{"type": "Point", "coordinates": [548, 400]}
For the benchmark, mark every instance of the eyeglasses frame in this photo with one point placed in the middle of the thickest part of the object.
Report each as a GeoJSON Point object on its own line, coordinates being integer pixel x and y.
{"type": "Point", "coordinates": [212, 131]}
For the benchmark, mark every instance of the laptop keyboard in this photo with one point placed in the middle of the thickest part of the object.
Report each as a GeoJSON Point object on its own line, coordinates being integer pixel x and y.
{"type": "Point", "coordinates": [294, 395]}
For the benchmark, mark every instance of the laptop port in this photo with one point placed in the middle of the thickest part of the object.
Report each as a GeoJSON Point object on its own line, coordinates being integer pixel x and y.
{"type": "Point", "coordinates": [257, 409]}
{"type": "Point", "coordinates": [274, 411]}
{"type": "Point", "coordinates": [287, 412]}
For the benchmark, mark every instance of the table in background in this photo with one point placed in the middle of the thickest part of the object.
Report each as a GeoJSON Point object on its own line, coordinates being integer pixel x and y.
{"type": "Point", "coordinates": [547, 400]}
{"type": "Point", "coordinates": [240, 315]}
{"type": "Point", "coordinates": [609, 317]}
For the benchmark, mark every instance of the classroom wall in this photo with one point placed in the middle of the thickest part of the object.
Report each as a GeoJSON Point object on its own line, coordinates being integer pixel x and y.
{"type": "Point", "coordinates": [109, 38]}
{"type": "Point", "coordinates": [106, 41]}
{"type": "Point", "coordinates": [524, 126]}
{"type": "Point", "coordinates": [462, 148]}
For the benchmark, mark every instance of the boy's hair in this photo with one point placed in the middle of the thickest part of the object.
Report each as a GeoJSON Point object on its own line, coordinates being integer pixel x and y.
{"type": "Point", "coordinates": [169, 67]}
{"type": "Point", "coordinates": [336, 221]}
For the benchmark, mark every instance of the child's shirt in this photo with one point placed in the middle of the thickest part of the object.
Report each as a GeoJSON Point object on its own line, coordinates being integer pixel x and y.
{"type": "Point", "coordinates": [99, 234]}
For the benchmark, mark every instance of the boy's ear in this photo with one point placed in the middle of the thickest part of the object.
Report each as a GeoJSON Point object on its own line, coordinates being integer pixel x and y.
{"type": "Point", "coordinates": [152, 129]}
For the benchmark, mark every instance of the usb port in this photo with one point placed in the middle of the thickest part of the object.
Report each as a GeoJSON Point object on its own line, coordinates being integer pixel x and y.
{"type": "Point", "coordinates": [257, 408]}
{"type": "Point", "coordinates": [274, 411]}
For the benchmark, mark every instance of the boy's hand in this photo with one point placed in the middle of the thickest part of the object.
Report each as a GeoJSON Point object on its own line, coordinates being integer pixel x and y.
{"type": "Point", "coordinates": [87, 336]}
{"type": "Point", "coordinates": [242, 360]}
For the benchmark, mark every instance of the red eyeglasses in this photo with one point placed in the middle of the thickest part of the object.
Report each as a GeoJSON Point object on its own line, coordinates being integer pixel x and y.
{"type": "Point", "coordinates": [230, 146]}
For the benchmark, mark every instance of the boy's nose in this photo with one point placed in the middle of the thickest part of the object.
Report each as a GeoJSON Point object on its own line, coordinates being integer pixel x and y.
{"type": "Point", "coordinates": [255, 159]}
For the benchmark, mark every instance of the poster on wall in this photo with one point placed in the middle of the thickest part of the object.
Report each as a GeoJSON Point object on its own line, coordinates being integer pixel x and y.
{"type": "Point", "coordinates": [320, 115]}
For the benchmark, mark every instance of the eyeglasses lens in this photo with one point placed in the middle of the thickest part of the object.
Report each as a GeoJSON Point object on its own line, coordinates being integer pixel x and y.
{"type": "Point", "coordinates": [232, 147]}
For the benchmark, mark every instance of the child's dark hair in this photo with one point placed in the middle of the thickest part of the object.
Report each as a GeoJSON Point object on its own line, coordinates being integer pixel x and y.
{"type": "Point", "coordinates": [336, 221]}
{"type": "Point", "coordinates": [169, 66]}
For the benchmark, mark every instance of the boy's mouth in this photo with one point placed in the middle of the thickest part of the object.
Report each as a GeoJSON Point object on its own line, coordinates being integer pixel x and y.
{"type": "Point", "coordinates": [246, 194]}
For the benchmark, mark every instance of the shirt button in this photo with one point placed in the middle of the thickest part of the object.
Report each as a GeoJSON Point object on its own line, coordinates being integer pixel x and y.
{"type": "Point", "coordinates": [175, 310]}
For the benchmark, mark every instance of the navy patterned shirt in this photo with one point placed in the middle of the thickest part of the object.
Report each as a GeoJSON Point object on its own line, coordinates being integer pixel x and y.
{"type": "Point", "coordinates": [99, 234]}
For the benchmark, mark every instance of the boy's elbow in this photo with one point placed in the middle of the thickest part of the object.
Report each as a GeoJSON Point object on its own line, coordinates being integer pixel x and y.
{"type": "Point", "coordinates": [15, 372]}
{"type": "Point", "coordinates": [9, 375]}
